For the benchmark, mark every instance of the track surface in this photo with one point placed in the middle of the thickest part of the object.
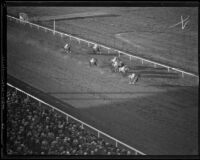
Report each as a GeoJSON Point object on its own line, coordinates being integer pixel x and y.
{"type": "Point", "coordinates": [143, 31]}
{"type": "Point", "coordinates": [154, 116]}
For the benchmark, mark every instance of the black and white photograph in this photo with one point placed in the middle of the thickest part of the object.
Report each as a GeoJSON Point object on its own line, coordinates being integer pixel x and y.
{"type": "Point", "coordinates": [100, 80]}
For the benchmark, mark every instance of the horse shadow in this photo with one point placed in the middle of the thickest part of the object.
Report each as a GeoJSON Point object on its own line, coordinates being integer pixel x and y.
{"type": "Point", "coordinates": [64, 53]}
{"type": "Point", "coordinates": [125, 74]}
{"type": "Point", "coordinates": [147, 68]}
{"type": "Point", "coordinates": [144, 71]}
{"type": "Point", "coordinates": [151, 72]}
{"type": "Point", "coordinates": [169, 76]}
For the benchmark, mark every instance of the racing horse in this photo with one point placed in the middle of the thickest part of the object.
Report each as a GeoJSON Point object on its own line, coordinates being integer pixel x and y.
{"type": "Point", "coordinates": [93, 61]}
{"type": "Point", "coordinates": [117, 65]}
{"type": "Point", "coordinates": [133, 78]}
{"type": "Point", "coordinates": [23, 18]}
{"type": "Point", "coordinates": [124, 69]}
{"type": "Point", "coordinates": [67, 48]}
{"type": "Point", "coordinates": [96, 49]}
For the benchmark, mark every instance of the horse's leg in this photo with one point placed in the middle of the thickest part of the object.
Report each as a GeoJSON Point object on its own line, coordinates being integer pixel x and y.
{"type": "Point", "coordinates": [115, 69]}
{"type": "Point", "coordinates": [130, 81]}
{"type": "Point", "coordinates": [135, 79]}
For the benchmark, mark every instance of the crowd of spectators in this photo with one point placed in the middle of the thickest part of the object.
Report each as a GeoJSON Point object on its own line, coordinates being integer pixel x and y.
{"type": "Point", "coordinates": [37, 130]}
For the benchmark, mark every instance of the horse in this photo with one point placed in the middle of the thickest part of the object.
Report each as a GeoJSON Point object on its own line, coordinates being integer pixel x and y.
{"type": "Point", "coordinates": [133, 78]}
{"type": "Point", "coordinates": [67, 48]}
{"type": "Point", "coordinates": [117, 65]}
{"type": "Point", "coordinates": [93, 61]}
{"type": "Point", "coordinates": [96, 49]}
{"type": "Point", "coordinates": [23, 18]}
{"type": "Point", "coordinates": [124, 69]}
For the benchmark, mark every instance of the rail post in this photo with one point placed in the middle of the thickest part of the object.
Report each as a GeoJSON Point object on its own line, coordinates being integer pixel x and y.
{"type": "Point", "coordinates": [54, 26]}
{"type": "Point", "coordinates": [67, 118]}
{"type": "Point", "coordinates": [116, 143]}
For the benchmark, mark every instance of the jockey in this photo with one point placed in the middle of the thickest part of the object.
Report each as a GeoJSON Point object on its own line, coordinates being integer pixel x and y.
{"type": "Point", "coordinates": [123, 69]}
{"type": "Point", "coordinates": [115, 65]}
{"type": "Point", "coordinates": [21, 18]}
{"type": "Point", "coordinates": [93, 61]}
{"type": "Point", "coordinates": [132, 78]}
{"type": "Point", "coordinates": [96, 48]}
{"type": "Point", "coordinates": [67, 47]}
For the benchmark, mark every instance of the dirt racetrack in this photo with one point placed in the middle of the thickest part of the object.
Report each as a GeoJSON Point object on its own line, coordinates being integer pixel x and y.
{"type": "Point", "coordinates": [141, 31]}
{"type": "Point", "coordinates": [156, 116]}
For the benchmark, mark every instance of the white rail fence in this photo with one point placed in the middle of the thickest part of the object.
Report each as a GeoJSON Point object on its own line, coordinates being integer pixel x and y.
{"type": "Point", "coordinates": [117, 142]}
{"type": "Point", "coordinates": [155, 64]}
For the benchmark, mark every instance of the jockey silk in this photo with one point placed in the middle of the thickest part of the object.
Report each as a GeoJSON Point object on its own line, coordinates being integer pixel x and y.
{"type": "Point", "coordinates": [66, 46]}
{"type": "Point", "coordinates": [95, 46]}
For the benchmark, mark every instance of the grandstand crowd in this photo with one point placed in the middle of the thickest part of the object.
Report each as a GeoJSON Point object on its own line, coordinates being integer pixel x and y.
{"type": "Point", "coordinates": [34, 129]}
